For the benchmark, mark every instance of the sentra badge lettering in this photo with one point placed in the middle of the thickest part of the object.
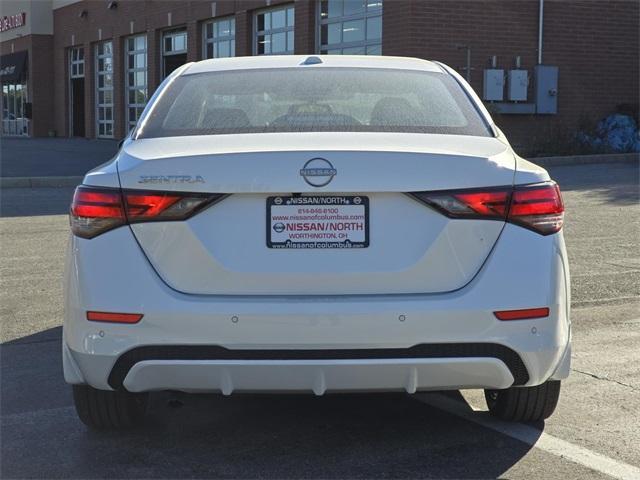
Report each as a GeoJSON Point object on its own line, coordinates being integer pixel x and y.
{"type": "Point", "coordinates": [165, 179]}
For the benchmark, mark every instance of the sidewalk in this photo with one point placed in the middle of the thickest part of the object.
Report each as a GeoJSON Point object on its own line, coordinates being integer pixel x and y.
{"type": "Point", "coordinates": [52, 157]}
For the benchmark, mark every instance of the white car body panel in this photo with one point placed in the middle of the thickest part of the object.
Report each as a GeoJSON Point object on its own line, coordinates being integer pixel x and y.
{"type": "Point", "coordinates": [210, 281]}
{"type": "Point", "coordinates": [424, 242]}
{"type": "Point", "coordinates": [427, 252]}
{"type": "Point", "coordinates": [315, 322]}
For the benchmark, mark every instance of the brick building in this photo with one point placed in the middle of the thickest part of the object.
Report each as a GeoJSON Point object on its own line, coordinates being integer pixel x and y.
{"type": "Point", "coordinates": [86, 68]}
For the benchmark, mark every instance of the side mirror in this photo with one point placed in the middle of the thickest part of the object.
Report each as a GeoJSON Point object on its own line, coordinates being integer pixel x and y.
{"type": "Point", "coordinates": [121, 142]}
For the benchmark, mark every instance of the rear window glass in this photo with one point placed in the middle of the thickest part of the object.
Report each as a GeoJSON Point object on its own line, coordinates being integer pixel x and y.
{"type": "Point", "coordinates": [313, 99]}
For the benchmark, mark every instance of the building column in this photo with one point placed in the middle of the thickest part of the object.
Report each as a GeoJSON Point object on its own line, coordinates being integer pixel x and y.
{"type": "Point", "coordinates": [41, 95]}
{"type": "Point", "coordinates": [305, 28]}
{"type": "Point", "coordinates": [244, 33]}
{"type": "Point", "coordinates": [119, 92]}
{"type": "Point", "coordinates": [62, 89]}
{"type": "Point", "coordinates": [396, 30]}
{"type": "Point", "coordinates": [194, 41]}
{"type": "Point", "coordinates": [89, 91]}
{"type": "Point", "coordinates": [154, 65]}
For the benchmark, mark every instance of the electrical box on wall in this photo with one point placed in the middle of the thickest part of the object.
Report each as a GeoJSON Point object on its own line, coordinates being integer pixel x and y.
{"type": "Point", "coordinates": [518, 85]}
{"type": "Point", "coordinates": [493, 89]}
{"type": "Point", "coordinates": [546, 89]}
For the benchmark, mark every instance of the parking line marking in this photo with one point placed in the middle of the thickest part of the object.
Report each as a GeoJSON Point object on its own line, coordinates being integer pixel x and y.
{"type": "Point", "coordinates": [536, 438]}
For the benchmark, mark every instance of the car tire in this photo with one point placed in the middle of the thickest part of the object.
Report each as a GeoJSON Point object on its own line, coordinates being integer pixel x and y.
{"type": "Point", "coordinates": [524, 404]}
{"type": "Point", "coordinates": [109, 410]}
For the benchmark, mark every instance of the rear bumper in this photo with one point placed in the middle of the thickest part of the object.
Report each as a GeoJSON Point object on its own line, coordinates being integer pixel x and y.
{"type": "Point", "coordinates": [200, 369]}
{"type": "Point", "coordinates": [268, 326]}
{"type": "Point", "coordinates": [318, 376]}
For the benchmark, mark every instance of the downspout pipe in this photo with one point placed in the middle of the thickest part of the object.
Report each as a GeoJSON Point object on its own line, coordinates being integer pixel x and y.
{"type": "Point", "coordinates": [540, 24]}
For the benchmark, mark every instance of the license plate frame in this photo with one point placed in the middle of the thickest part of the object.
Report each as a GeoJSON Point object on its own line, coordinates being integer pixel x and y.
{"type": "Point", "coordinates": [311, 220]}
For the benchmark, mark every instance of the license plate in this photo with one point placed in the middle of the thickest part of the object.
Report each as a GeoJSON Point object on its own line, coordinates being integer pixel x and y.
{"type": "Point", "coordinates": [318, 222]}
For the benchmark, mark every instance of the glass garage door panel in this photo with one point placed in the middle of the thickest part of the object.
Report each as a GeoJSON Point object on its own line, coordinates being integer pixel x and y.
{"type": "Point", "coordinates": [350, 27]}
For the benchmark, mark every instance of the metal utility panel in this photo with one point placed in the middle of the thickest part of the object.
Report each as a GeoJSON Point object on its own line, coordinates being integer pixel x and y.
{"type": "Point", "coordinates": [518, 85]}
{"type": "Point", "coordinates": [546, 89]}
{"type": "Point", "coordinates": [493, 84]}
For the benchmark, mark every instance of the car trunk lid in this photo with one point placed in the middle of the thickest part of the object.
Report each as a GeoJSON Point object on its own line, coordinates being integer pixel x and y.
{"type": "Point", "coordinates": [410, 247]}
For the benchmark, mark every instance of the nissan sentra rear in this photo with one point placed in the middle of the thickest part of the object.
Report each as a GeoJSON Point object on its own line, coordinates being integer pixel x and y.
{"type": "Point", "coordinates": [316, 224]}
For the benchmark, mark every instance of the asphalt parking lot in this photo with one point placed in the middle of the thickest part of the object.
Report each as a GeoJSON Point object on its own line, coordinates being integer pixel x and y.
{"type": "Point", "coordinates": [595, 432]}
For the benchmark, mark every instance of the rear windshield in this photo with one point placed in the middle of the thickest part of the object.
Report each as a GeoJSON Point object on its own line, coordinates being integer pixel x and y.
{"type": "Point", "coordinates": [313, 100]}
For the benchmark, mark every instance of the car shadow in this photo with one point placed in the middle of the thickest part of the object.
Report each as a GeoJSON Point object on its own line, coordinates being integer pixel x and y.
{"type": "Point", "coordinates": [241, 436]}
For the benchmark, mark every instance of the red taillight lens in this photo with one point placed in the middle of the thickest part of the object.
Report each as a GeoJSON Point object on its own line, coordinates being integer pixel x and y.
{"type": "Point", "coordinates": [140, 206]}
{"type": "Point", "coordinates": [523, 314]}
{"type": "Point", "coordinates": [536, 207]}
{"type": "Point", "coordinates": [95, 210]}
{"type": "Point", "coordinates": [112, 317]}
{"type": "Point", "coordinates": [488, 204]}
{"type": "Point", "coordinates": [165, 206]}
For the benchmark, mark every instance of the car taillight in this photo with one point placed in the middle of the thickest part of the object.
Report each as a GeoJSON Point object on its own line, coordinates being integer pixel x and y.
{"type": "Point", "coordinates": [95, 210]}
{"type": "Point", "coordinates": [488, 204]}
{"type": "Point", "coordinates": [537, 207]}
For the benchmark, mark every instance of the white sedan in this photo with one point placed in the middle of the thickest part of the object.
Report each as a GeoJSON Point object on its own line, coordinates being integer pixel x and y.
{"type": "Point", "coordinates": [316, 224]}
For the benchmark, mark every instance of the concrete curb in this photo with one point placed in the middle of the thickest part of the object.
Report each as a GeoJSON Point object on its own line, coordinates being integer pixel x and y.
{"type": "Point", "coordinates": [586, 159]}
{"type": "Point", "coordinates": [39, 182]}
{"type": "Point", "coordinates": [35, 182]}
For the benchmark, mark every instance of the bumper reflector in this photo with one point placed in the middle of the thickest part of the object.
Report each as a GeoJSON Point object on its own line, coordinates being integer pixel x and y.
{"type": "Point", "coordinates": [114, 317]}
{"type": "Point", "coordinates": [525, 314]}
